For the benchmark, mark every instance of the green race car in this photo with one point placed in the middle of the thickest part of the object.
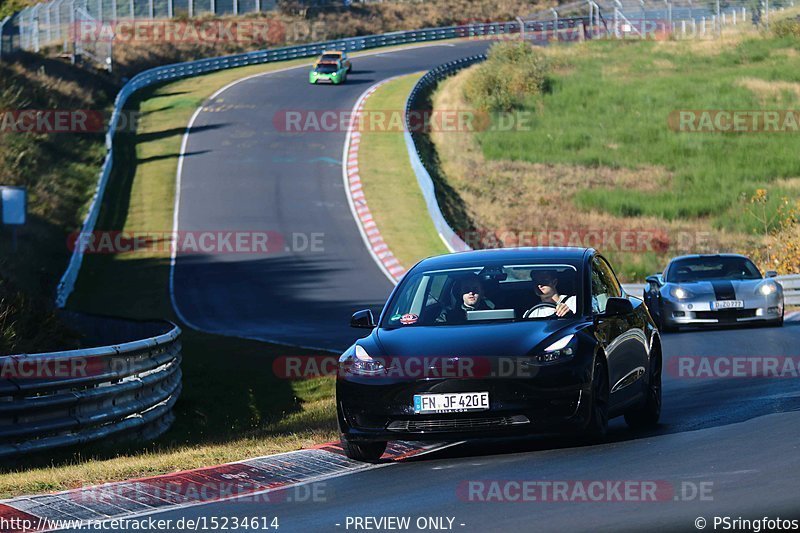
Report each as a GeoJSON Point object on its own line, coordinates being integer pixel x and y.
{"type": "Point", "coordinates": [329, 72]}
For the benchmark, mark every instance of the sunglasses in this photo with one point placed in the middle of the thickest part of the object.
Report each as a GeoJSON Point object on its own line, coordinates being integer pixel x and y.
{"type": "Point", "coordinates": [474, 290]}
{"type": "Point", "coordinates": [544, 281]}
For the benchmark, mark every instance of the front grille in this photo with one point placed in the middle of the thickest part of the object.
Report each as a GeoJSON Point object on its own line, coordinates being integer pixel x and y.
{"type": "Point", "coordinates": [726, 314]}
{"type": "Point", "coordinates": [457, 424]}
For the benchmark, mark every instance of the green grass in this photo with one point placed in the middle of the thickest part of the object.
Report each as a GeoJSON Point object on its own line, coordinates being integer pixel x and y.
{"type": "Point", "coordinates": [620, 95]}
{"type": "Point", "coordinates": [390, 186]}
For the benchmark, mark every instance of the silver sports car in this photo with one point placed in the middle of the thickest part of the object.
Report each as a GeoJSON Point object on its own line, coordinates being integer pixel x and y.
{"type": "Point", "coordinates": [698, 290]}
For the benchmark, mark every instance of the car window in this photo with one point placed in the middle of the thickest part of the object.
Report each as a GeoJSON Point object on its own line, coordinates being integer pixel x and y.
{"type": "Point", "coordinates": [713, 267]}
{"type": "Point", "coordinates": [504, 292]}
{"type": "Point", "coordinates": [327, 68]}
{"type": "Point", "coordinates": [604, 285]}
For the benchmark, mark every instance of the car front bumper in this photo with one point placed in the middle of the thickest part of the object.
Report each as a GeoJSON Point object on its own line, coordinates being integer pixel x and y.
{"type": "Point", "coordinates": [698, 312]}
{"type": "Point", "coordinates": [558, 400]}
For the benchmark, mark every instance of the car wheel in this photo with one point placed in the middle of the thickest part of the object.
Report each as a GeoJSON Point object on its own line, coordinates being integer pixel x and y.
{"type": "Point", "coordinates": [363, 451]}
{"type": "Point", "coordinates": [649, 412]}
{"type": "Point", "coordinates": [598, 422]}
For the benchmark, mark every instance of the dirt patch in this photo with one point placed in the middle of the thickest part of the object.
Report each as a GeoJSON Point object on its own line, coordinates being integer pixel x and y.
{"type": "Point", "coordinates": [769, 90]}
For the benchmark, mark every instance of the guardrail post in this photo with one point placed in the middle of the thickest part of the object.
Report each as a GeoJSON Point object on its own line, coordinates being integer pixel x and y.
{"type": "Point", "coordinates": [213, 7]}
{"type": "Point", "coordinates": [170, 8]}
{"type": "Point", "coordinates": [48, 21]}
{"type": "Point", "coordinates": [191, 8]}
{"type": "Point", "coordinates": [3, 36]}
{"type": "Point", "coordinates": [35, 20]}
{"type": "Point", "coordinates": [151, 9]}
{"type": "Point", "coordinates": [235, 7]}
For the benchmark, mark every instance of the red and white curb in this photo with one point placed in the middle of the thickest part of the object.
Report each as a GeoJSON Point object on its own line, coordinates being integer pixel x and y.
{"type": "Point", "coordinates": [378, 248]}
{"type": "Point", "coordinates": [794, 316]}
{"type": "Point", "coordinates": [247, 481]}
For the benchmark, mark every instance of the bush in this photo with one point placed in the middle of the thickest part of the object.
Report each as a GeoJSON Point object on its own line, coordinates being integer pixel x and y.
{"type": "Point", "coordinates": [787, 28]}
{"type": "Point", "coordinates": [513, 72]}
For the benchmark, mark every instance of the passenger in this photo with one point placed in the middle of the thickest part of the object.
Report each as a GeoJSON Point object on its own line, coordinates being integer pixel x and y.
{"type": "Point", "coordinates": [468, 296]}
{"type": "Point", "coordinates": [545, 284]}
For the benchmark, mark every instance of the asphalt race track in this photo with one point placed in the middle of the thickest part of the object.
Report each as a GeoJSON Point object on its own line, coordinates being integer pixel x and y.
{"type": "Point", "coordinates": [732, 440]}
{"type": "Point", "coordinates": [241, 173]}
{"type": "Point", "coordinates": [737, 438]}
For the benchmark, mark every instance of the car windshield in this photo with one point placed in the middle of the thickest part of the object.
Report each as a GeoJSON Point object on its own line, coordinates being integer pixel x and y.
{"type": "Point", "coordinates": [484, 293]}
{"type": "Point", "coordinates": [709, 268]}
{"type": "Point", "coordinates": [330, 57]}
{"type": "Point", "coordinates": [327, 68]}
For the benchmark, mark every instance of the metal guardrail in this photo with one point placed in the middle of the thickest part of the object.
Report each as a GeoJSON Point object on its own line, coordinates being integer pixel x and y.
{"type": "Point", "coordinates": [415, 105]}
{"type": "Point", "coordinates": [790, 284]}
{"type": "Point", "coordinates": [194, 68]}
{"type": "Point", "coordinates": [51, 400]}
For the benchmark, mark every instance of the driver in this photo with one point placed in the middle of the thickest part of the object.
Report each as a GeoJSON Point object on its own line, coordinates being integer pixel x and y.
{"type": "Point", "coordinates": [545, 283]}
{"type": "Point", "coordinates": [470, 293]}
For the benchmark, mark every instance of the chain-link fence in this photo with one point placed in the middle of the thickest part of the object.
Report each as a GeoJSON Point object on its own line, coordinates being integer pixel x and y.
{"type": "Point", "coordinates": [653, 18]}
{"type": "Point", "coordinates": [88, 27]}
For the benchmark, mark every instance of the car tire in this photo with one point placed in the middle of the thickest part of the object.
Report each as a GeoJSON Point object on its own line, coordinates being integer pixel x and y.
{"type": "Point", "coordinates": [597, 427]}
{"type": "Point", "coordinates": [363, 451]}
{"type": "Point", "coordinates": [647, 415]}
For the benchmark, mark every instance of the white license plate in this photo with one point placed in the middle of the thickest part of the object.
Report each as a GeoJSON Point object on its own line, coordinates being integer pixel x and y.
{"type": "Point", "coordinates": [455, 402]}
{"type": "Point", "coordinates": [727, 304]}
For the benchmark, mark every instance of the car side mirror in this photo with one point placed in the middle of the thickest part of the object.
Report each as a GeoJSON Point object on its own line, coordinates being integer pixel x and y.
{"type": "Point", "coordinates": [362, 319]}
{"type": "Point", "coordinates": [771, 274]}
{"type": "Point", "coordinates": [654, 279]}
{"type": "Point", "coordinates": [617, 307]}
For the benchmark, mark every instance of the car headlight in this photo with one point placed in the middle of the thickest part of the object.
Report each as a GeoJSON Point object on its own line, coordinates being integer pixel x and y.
{"type": "Point", "coordinates": [561, 350]}
{"type": "Point", "coordinates": [680, 293]}
{"type": "Point", "coordinates": [358, 361]}
{"type": "Point", "coordinates": [767, 288]}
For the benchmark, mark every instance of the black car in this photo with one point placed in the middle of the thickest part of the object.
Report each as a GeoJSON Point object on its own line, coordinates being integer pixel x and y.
{"type": "Point", "coordinates": [552, 345]}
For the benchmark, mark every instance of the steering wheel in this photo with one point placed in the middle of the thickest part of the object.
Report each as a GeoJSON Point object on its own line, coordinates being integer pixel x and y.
{"type": "Point", "coordinates": [543, 305]}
